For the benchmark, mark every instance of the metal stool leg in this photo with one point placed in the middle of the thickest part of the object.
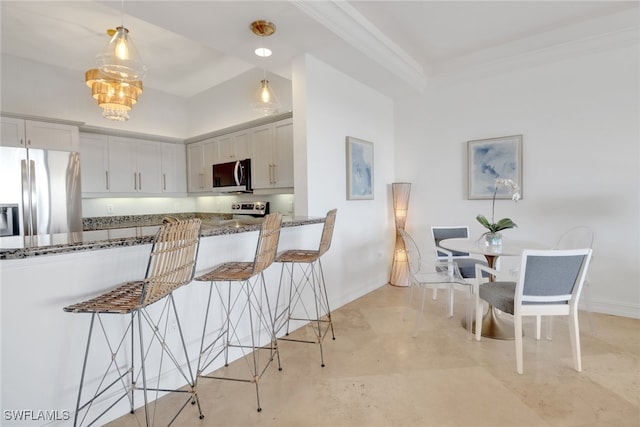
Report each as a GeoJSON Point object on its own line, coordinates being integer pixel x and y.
{"type": "Point", "coordinates": [251, 301]}
{"type": "Point", "coordinates": [310, 276]}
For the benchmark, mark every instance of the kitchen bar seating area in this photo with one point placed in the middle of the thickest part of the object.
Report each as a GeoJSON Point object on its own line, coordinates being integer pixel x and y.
{"type": "Point", "coordinates": [512, 121]}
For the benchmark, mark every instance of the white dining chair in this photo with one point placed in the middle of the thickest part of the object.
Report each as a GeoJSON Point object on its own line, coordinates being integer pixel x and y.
{"type": "Point", "coordinates": [550, 284]}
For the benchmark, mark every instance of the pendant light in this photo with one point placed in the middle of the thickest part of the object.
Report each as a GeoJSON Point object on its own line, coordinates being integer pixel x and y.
{"type": "Point", "coordinates": [120, 59]}
{"type": "Point", "coordinates": [115, 97]}
{"type": "Point", "coordinates": [116, 82]}
{"type": "Point", "coordinates": [265, 99]}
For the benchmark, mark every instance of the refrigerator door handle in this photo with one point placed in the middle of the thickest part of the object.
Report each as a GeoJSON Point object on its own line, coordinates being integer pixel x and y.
{"type": "Point", "coordinates": [26, 220]}
{"type": "Point", "coordinates": [34, 198]}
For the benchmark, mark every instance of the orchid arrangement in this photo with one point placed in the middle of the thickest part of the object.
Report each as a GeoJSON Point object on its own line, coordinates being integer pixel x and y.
{"type": "Point", "coordinates": [504, 223]}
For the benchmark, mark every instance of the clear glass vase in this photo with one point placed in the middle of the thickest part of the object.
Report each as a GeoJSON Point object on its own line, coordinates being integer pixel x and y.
{"type": "Point", "coordinates": [493, 240]}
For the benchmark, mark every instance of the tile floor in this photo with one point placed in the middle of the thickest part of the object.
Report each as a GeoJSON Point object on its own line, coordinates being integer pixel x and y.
{"type": "Point", "coordinates": [377, 374]}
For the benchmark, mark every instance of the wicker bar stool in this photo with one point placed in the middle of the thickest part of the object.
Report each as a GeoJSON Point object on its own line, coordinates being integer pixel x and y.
{"type": "Point", "coordinates": [246, 301]}
{"type": "Point", "coordinates": [312, 278]}
{"type": "Point", "coordinates": [171, 265]}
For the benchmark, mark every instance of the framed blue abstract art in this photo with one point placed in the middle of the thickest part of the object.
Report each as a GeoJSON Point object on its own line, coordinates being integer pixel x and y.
{"type": "Point", "coordinates": [359, 169]}
{"type": "Point", "coordinates": [490, 159]}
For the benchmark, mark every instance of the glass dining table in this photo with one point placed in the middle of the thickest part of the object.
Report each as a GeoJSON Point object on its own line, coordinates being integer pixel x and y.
{"type": "Point", "coordinates": [493, 325]}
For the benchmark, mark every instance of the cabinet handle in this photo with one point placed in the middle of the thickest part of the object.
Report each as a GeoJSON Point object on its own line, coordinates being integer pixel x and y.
{"type": "Point", "coordinates": [201, 180]}
{"type": "Point", "coordinates": [135, 181]}
{"type": "Point", "coordinates": [164, 182]}
{"type": "Point", "coordinates": [106, 175]}
{"type": "Point", "coordinates": [21, 141]}
{"type": "Point", "coordinates": [274, 173]}
{"type": "Point", "coordinates": [140, 181]}
{"type": "Point", "coordinates": [28, 142]}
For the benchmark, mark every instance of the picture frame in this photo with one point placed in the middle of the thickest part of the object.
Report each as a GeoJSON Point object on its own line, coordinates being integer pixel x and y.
{"type": "Point", "coordinates": [359, 169]}
{"type": "Point", "coordinates": [490, 159]}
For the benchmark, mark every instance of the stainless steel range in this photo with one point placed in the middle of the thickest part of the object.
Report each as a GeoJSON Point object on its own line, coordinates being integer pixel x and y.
{"type": "Point", "coordinates": [254, 209]}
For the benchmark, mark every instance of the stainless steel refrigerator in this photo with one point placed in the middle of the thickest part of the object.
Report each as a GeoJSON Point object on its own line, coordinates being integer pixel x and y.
{"type": "Point", "coordinates": [44, 187]}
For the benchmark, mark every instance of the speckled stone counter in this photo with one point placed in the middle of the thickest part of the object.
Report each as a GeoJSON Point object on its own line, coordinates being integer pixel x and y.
{"type": "Point", "coordinates": [127, 231]}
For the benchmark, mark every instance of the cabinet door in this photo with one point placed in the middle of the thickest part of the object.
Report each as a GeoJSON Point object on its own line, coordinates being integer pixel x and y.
{"type": "Point", "coordinates": [226, 149]}
{"type": "Point", "coordinates": [210, 156]}
{"type": "Point", "coordinates": [283, 153]}
{"type": "Point", "coordinates": [122, 165]}
{"type": "Point", "coordinates": [94, 163]}
{"type": "Point", "coordinates": [261, 159]}
{"type": "Point", "coordinates": [173, 168]}
{"type": "Point", "coordinates": [52, 136]}
{"type": "Point", "coordinates": [242, 145]}
{"type": "Point", "coordinates": [12, 132]}
{"type": "Point", "coordinates": [200, 157]}
{"type": "Point", "coordinates": [148, 167]}
{"type": "Point", "coordinates": [195, 167]}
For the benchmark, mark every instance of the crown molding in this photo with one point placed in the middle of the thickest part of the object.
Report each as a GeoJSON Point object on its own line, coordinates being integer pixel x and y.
{"type": "Point", "coordinates": [467, 68]}
{"type": "Point", "coordinates": [346, 22]}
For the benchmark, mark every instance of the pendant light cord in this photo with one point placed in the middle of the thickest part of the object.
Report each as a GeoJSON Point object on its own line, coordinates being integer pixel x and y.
{"type": "Point", "coordinates": [122, 13]}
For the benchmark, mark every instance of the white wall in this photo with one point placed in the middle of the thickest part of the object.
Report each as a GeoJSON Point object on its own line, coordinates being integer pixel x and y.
{"type": "Point", "coordinates": [579, 117]}
{"type": "Point", "coordinates": [36, 89]}
{"type": "Point", "coordinates": [230, 104]}
{"type": "Point", "coordinates": [329, 106]}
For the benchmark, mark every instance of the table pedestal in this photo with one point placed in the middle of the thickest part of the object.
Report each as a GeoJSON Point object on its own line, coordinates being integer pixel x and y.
{"type": "Point", "coordinates": [492, 325]}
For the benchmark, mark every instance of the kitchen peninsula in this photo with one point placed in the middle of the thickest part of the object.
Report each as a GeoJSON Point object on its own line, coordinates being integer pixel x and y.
{"type": "Point", "coordinates": [39, 280]}
{"type": "Point", "coordinates": [126, 231]}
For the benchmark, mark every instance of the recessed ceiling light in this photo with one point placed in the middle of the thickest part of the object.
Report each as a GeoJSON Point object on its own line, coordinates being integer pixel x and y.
{"type": "Point", "coordinates": [262, 52]}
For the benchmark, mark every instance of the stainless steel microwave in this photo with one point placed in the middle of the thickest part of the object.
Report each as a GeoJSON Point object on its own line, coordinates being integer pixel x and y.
{"type": "Point", "coordinates": [232, 177]}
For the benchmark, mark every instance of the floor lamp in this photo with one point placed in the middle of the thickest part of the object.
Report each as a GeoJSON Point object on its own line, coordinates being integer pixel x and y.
{"type": "Point", "coordinates": [400, 266]}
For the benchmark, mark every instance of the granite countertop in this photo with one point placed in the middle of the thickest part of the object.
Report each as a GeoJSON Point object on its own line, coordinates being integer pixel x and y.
{"type": "Point", "coordinates": [131, 231]}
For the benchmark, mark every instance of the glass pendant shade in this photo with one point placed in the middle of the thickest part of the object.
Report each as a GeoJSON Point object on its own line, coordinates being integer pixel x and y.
{"type": "Point", "coordinates": [265, 99]}
{"type": "Point", "coordinates": [120, 59]}
{"type": "Point", "coordinates": [115, 97]}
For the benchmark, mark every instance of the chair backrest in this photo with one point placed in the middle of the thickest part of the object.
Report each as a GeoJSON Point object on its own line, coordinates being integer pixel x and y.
{"type": "Point", "coordinates": [449, 232]}
{"type": "Point", "coordinates": [327, 231]}
{"type": "Point", "coordinates": [552, 276]}
{"type": "Point", "coordinates": [173, 259]}
{"type": "Point", "coordinates": [413, 253]}
{"type": "Point", "coordinates": [267, 242]}
{"type": "Point", "coordinates": [576, 238]}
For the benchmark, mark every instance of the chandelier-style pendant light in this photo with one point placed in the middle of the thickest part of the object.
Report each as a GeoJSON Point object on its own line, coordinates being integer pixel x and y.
{"type": "Point", "coordinates": [116, 82]}
{"type": "Point", "coordinates": [115, 97]}
{"type": "Point", "coordinates": [265, 100]}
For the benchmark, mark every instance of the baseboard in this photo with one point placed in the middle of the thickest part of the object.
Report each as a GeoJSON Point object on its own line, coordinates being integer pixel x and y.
{"type": "Point", "coordinates": [615, 308]}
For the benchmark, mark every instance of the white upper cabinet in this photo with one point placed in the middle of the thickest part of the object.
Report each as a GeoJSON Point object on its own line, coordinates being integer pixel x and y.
{"type": "Point", "coordinates": [234, 146]}
{"type": "Point", "coordinates": [272, 159]}
{"type": "Point", "coordinates": [283, 154]}
{"type": "Point", "coordinates": [94, 163]}
{"type": "Point", "coordinates": [200, 157]}
{"type": "Point", "coordinates": [119, 166]}
{"type": "Point", "coordinates": [134, 166]}
{"type": "Point", "coordinates": [34, 134]}
{"type": "Point", "coordinates": [269, 145]}
{"type": "Point", "coordinates": [174, 168]}
{"type": "Point", "coordinates": [262, 159]}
